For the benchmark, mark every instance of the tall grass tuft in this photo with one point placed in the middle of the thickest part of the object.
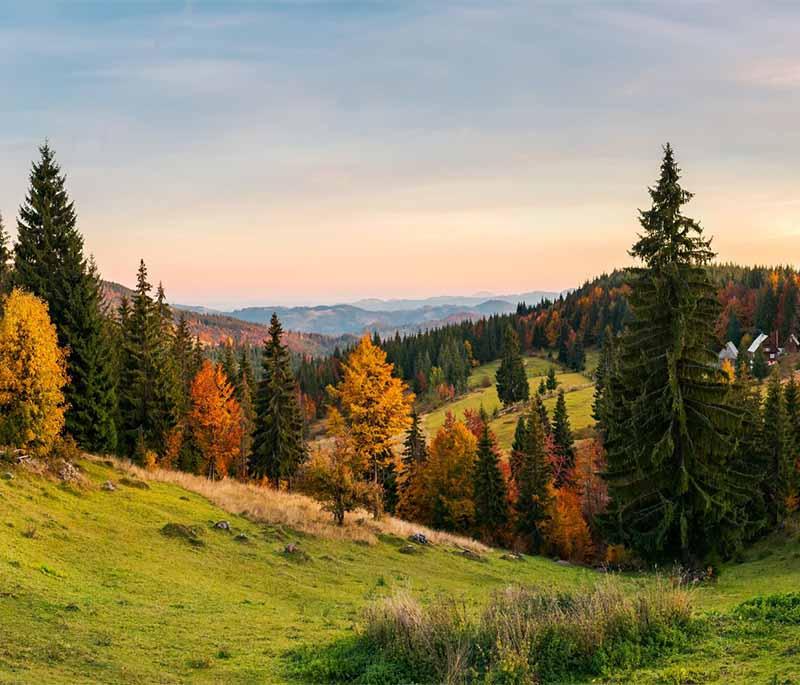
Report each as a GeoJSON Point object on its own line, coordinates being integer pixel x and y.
{"type": "Point", "coordinates": [529, 635]}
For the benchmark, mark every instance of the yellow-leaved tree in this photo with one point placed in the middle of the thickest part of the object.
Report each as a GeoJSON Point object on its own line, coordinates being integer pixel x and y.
{"type": "Point", "coordinates": [373, 406]}
{"type": "Point", "coordinates": [32, 374]}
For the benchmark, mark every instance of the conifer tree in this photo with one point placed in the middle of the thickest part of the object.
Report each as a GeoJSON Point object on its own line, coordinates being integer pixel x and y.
{"type": "Point", "coordinates": [490, 493]}
{"type": "Point", "coordinates": [563, 442]}
{"type": "Point", "coordinates": [734, 330]}
{"type": "Point", "coordinates": [512, 383]}
{"type": "Point", "coordinates": [415, 450]}
{"type": "Point", "coordinates": [602, 403]}
{"type": "Point", "coordinates": [518, 446]}
{"type": "Point", "coordinates": [552, 381]}
{"type": "Point", "coordinates": [760, 368]}
{"type": "Point", "coordinates": [544, 417]}
{"type": "Point", "coordinates": [674, 428]}
{"type": "Point", "coordinates": [278, 445]}
{"type": "Point", "coordinates": [777, 476]}
{"type": "Point", "coordinates": [244, 393]}
{"type": "Point", "coordinates": [229, 365]}
{"type": "Point", "coordinates": [49, 262]}
{"type": "Point", "coordinates": [791, 394]}
{"type": "Point", "coordinates": [533, 483]}
{"type": "Point", "coordinates": [148, 406]}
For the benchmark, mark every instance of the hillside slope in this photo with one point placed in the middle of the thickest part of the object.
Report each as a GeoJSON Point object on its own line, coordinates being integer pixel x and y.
{"type": "Point", "coordinates": [92, 590]}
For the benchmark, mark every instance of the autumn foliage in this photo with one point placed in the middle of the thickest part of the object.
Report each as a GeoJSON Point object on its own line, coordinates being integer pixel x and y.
{"type": "Point", "coordinates": [32, 374]}
{"type": "Point", "coordinates": [215, 420]}
{"type": "Point", "coordinates": [373, 405]}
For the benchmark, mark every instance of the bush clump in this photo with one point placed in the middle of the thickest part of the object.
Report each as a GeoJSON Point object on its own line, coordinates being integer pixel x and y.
{"type": "Point", "coordinates": [778, 608]}
{"type": "Point", "coordinates": [524, 635]}
{"type": "Point", "coordinates": [189, 533]}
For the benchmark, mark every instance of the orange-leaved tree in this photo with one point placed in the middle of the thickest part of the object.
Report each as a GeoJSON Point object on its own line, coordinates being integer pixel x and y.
{"type": "Point", "coordinates": [441, 494]}
{"type": "Point", "coordinates": [373, 405]}
{"type": "Point", "coordinates": [215, 420]}
{"type": "Point", "coordinates": [32, 374]}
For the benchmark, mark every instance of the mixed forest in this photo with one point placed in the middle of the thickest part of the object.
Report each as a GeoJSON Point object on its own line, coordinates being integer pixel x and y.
{"type": "Point", "coordinates": [689, 460]}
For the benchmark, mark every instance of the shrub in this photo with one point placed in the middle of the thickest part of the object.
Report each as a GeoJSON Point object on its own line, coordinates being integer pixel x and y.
{"type": "Point", "coordinates": [778, 608]}
{"type": "Point", "coordinates": [524, 635]}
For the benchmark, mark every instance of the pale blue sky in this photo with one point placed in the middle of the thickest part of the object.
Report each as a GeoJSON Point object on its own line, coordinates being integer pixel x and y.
{"type": "Point", "coordinates": [399, 148]}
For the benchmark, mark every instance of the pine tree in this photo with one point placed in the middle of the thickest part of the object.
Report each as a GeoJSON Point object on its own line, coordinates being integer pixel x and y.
{"type": "Point", "coordinates": [229, 365]}
{"type": "Point", "coordinates": [49, 262]}
{"type": "Point", "coordinates": [148, 381]}
{"type": "Point", "coordinates": [734, 330]}
{"type": "Point", "coordinates": [5, 260]}
{"type": "Point", "coordinates": [244, 393]}
{"type": "Point", "coordinates": [490, 493]}
{"type": "Point", "coordinates": [674, 427]}
{"type": "Point", "coordinates": [792, 401]}
{"type": "Point", "coordinates": [563, 442]}
{"type": "Point", "coordinates": [760, 368]}
{"type": "Point", "coordinates": [278, 445]}
{"type": "Point", "coordinates": [415, 449]}
{"type": "Point", "coordinates": [777, 478]}
{"type": "Point", "coordinates": [512, 383]}
{"type": "Point", "coordinates": [552, 382]}
{"type": "Point", "coordinates": [601, 405]}
{"type": "Point", "coordinates": [533, 483]}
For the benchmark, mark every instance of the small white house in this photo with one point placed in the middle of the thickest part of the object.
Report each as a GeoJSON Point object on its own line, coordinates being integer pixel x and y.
{"type": "Point", "coordinates": [728, 352]}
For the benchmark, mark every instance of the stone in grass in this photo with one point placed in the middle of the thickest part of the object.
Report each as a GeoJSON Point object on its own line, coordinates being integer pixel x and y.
{"type": "Point", "coordinates": [241, 537]}
{"type": "Point", "coordinates": [189, 533]}
{"type": "Point", "coordinates": [108, 486]}
{"type": "Point", "coordinates": [223, 525]}
{"type": "Point", "coordinates": [419, 538]}
{"type": "Point", "coordinates": [408, 549]}
{"type": "Point", "coordinates": [8, 475]}
{"type": "Point", "coordinates": [512, 556]}
{"type": "Point", "coordinates": [293, 551]}
{"type": "Point", "coordinates": [469, 554]}
{"type": "Point", "coordinates": [134, 483]}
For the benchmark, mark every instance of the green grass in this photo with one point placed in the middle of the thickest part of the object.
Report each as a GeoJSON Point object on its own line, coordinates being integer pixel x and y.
{"type": "Point", "coordinates": [578, 388]}
{"type": "Point", "coordinates": [92, 590]}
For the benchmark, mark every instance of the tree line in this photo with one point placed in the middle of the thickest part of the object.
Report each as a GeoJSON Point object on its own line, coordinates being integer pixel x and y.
{"type": "Point", "coordinates": [133, 381]}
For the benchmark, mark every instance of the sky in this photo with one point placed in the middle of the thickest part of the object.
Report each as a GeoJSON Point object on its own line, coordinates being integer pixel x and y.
{"type": "Point", "coordinates": [302, 152]}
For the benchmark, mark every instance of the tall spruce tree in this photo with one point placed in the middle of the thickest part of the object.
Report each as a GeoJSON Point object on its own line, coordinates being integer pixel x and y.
{"type": "Point", "coordinates": [490, 493]}
{"type": "Point", "coordinates": [777, 480]}
{"type": "Point", "coordinates": [49, 262]}
{"type": "Point", "coordinates": [512, 383]}
{"type": "Point", "coordinates": [148, 381]}
{"type": "Point", "coordinates": [533, 484]}
{"type": "Point", "coordinates": [415, 449]}
{"type": "Point", "coordinates": [675, 427]}
{"type": "Point", "coordinates": [563, 441]}
{"type": "Point", "coordinates": [603, 401]}
{"type": "Point", "coordinates": [278, 445]}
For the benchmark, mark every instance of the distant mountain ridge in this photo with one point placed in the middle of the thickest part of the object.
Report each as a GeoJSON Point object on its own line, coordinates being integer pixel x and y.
{"type": "Point", "coordinates": [469, 301]}
{"type": "Point", "coordinates": [367, 315]}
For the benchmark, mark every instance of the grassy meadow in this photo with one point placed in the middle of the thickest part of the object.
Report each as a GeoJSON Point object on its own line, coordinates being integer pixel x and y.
{"type": "Point", "coordinates": [93, 590]}
{"type": "Point", "coordinates": [578, 394]}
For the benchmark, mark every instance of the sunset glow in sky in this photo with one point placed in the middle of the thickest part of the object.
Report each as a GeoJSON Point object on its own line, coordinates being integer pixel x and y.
{"type": "Point", "coordinates": [317, 152]}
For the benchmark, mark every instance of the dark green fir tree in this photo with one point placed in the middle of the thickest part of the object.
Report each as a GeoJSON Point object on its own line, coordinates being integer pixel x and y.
{"type": "Point", "coordinates": [278, 445]}
{"type": "Point", "coordinates": [49, 262]}
{"type": "Point", "coordinates": [563, 442]}
{"type": "Point", "coordinates": [533, 483]}
{"type": "Point", "coordinates": [490, 494]}
{"type": "Point", "coordinates": [777, 476]}
{"type": "Point", "coordinates": [512, 383]}
{"type": "Point", "coordinates": [675, 427]}
{"type": "Point", "coordinates": [552, 382]}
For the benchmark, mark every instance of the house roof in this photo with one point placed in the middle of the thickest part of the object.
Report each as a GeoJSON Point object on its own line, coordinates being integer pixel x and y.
{"type": "Point", "coordinates": [729, 351]}
{"type": "Point", "coordinates": [757, 343]}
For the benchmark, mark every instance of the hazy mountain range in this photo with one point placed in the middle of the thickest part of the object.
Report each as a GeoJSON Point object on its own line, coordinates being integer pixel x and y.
{"type": "Point", "coordinates": [384, 316]}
